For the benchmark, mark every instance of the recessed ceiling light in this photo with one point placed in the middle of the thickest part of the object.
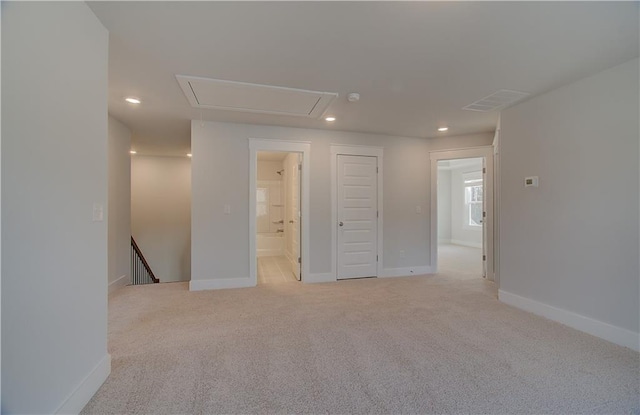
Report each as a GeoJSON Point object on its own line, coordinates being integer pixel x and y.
{"type": "Point", "coordinates": [189, 154]}
{"type": "Point", "coordinates": [133, 100]}
{"type": "Point", "coordinates": [330, 119]}
{"type": "Point", "coordinates": [443, 128]}
{"type": "Point", "coordinates": [132, 151]}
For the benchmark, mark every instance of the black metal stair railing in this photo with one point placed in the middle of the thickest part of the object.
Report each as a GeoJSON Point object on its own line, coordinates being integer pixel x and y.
{"type": "Point", "coordinates": [140, 270]}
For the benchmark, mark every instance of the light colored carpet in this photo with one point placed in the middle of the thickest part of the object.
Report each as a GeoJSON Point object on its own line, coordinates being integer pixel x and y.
{"type": "Point", "coordinates": [423, 344]}
{"type": "Point", "coordinates": [460, 262]}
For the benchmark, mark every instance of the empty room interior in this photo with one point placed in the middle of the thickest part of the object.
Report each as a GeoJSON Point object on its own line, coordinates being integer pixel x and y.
{"type": "Point", "coordinates": [320, 207]}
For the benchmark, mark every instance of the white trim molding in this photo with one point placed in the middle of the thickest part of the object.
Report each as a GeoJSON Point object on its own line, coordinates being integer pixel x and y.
{"type": "Point", "coordinates": [354, 150]}
{"type": "Point", "coordinates": [303, 147]}
{"type": "Point", "coordinates": [472, 152]}
{"type": "Point", "coordinates": [405, 272]}
{"type": "Point", "coordinates": [606, 331]}
{"type": "Point", "coordinates": [119, 283]}
{"type": "Point", "coordinates": [220, 283]}
{"type": "Point", "coordinates": [320, 277]}
{"type": "Point", "coordinates": [87, 388]}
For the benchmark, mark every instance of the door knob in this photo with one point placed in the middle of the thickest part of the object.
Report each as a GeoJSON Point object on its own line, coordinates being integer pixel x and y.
{"type": "Point", "coordinates": [340, 224]}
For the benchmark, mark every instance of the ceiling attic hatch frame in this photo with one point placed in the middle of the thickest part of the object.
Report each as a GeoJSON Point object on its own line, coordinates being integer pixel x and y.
{"type": "Point", "coordinates": [265, 99]}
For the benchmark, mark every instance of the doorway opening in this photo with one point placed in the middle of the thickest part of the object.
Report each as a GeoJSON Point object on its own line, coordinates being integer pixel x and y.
{"type": "Point", "coordinates": [461, 217]}
{"type": "Point", "coordinates": [278, 210]}
{"type": "Point", "coordinates": [462, 213]}
{"type": "Point", "coordinates": [278, 217]}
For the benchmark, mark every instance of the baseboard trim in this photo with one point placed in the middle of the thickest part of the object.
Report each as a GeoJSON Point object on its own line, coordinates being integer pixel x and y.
{"type": "Point", "coordinates": [219, 284]}
{"type": "Point", "coordinates": [119, 283]}
{"type": "Point", "coordinates": [87, 388]}
{"type": "Point", "coordinates": [320, 277]}
{"type": "Point", "coordinates": [466, 243]}
{"type": "Point", "coordinates": [606, 331]}
{"type": "Point", "coordinates": [405, 272]}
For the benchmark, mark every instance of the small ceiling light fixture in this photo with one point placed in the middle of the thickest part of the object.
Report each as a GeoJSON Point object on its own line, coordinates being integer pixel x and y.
{"type": "Point", "coordinates": [133, 100]}
{"type": "Point", "coordinates": [442, 129]}
{"type": "Point", "coordinates": [132, 151]}
{"type": "Point", "coordinates": [353, 97]}
{"type": "Point", "coordinates": [189, 154]}
{"type": "Point", "coordinates": [330, 119]}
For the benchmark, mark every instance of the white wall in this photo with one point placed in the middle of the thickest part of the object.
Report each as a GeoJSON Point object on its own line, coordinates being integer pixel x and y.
{"type": "Point", "coordinates": [221, 241]}
{"type": "Point", "coordinates": [119, 211]}
{"type": "Point", "coordinates": [54, 168]}
{"type": "Point", "coordinates": [267, 169]}
{"type": "Point", "coordinates": [161, 213]}
{"type": "Point", "coordinates": [572, 243]}
{"type": "Point", "coordinates": [444, 205]}
{"type": "Point", "coordinates": [462, 234]}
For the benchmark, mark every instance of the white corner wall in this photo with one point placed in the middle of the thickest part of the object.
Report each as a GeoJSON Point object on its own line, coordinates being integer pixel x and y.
{"type": "Point", "coordinates": [220, 176]}
{"type": "Point", "coordinates": [119, 211]}
{"type": "Point", "coordinates": [569, 248]}
{"type": "Point", "coordinates": [161, 213]}
{"type": "Point", "coordinates": [54, 169]}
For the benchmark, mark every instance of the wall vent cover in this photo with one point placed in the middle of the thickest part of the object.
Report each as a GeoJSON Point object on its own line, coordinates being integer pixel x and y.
{"type": "Point", "coordinates": [497, 100]}
{"type": "Point", "coordinates": [266, 99]}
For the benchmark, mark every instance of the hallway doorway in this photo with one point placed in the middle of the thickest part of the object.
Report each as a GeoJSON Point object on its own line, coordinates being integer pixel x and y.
{"type": "Point", "coordinates": [461, 216]}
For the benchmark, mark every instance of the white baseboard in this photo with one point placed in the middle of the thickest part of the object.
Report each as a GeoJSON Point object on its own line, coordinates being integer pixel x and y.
{"type": "Point", "coordinates": [87, 388]}
{"type": "Point", "coordinates": [606, 331]}
{"type": "Point", "coordinates": [405, 272]}
{"type": "Point", "coordinates": [119, 283]}
{"type": "Point", "coordinates": [320, 277]}
{"type": "Point", "coordinates": [466, 243]}
{"type": "Point", "coordinates": [218, 284]}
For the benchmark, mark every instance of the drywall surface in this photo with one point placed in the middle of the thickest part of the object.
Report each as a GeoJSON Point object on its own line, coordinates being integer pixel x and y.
{"type": "Point", "coordinates": [572, 243]}
{"type": "Point", "coordinates": [54, 169]}
{"type": "Point", "coordinates": [119, 211]}
{"type": "Point", "coordinates": [220, 242]}
{"type": "Point", "coordinates": [161, 213]}
{"type": "Point", "coordinates": [444, 206]}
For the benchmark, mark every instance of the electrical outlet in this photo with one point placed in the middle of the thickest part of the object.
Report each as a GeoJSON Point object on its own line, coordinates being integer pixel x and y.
{"type": "Point", "coordinates": [402, 253]}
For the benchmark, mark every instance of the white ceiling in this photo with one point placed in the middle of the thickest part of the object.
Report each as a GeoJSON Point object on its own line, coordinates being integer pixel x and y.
{"type": "Point", "coordinates": [415, 64]}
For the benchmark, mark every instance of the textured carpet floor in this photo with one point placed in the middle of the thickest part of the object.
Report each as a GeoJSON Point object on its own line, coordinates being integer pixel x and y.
{"type": "Point", "coordinates": [423, 344]}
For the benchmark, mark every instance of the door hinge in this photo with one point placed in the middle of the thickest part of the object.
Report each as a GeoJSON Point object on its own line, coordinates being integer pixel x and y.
{"type": "Point", "coordinates": [484, 257]}
{"type": "Point", "coordinates": [377, 171]}
{"type": "Point", "coordinates": [484, 169]}
{"type": "Point", "coordinates": [484, 214]}
{"type": "Point", "coordinates": [299, 260]}
{"type": "Point", "coordinates": [377, 214]}
{"type": "Point", "coordinates": [299, 166]}
{"type": "Point", "coordinates": [376, 258]}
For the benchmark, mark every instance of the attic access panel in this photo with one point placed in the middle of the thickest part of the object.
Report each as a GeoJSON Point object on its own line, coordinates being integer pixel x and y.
{"type": "Point", "coordinates": [266, 99]}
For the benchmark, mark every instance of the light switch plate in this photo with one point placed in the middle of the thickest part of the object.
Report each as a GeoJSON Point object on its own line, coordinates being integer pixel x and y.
{"type": "Point", "coordinates": [98, 212]}
{"type": "Point", "coordinates": [531, 181]}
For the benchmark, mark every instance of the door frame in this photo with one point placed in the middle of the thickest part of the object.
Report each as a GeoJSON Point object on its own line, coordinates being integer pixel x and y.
{"type": "Point", "coordinates": [354, 150]}
{"type": "Point", "coordinates": [303, 147]}
{"type": "Point", "coordinates": [473, 152]}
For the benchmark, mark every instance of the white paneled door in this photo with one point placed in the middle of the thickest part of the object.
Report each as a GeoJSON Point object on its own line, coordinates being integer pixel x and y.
{"type": "Point", "coordinates": [294, 219]}
{"type": "Point", "coordinates": [357, 216]}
